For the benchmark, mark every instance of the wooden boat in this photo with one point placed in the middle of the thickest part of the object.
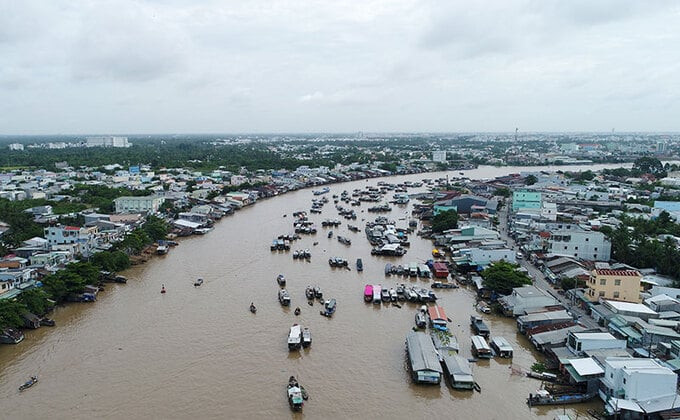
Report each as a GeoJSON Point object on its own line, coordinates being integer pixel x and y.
{"type": "Point", "coordinates": [29, 383]}
{"type": "Point", "coordinates": [543, 397]}
{"type": "Point", "coordinates": [284, 298]}
{"type": "Point", "coordinates": [306, 337]}
{"type": "Point", "coordinates": [294, 394]}
{"type": "Point", "coordinates": [309, 293]}
{"type": "Point", "coordinates": [377, 293]}
{"type": "Point", "coordinates": [281, 280]}
{"type": "Point", "coordinates": [480, 348]}
{"type": "Point", "coordinates": [479, 326]}
{"type": "Point", "coordinates": [385, 295]}
{"type": "Point", "coordinates": [198, 282]}
{"type": "Point", "coordinates": [368, 293]}
{"type": "Point", "coordinates": [543, 376]}
{"type": "Point", "coordinates": [317, 292]}
{"type": "Point", "coordinates": [421, 321]}
{"type": "Point", "coordinates": [360, 265]}
{"type": "Point", "coordinates": [329, 308]}
{"type": "Point", "coordinates": [253, 309]}
{"type": "Point", "coordinates": [393, 295]}
{"type": "Point", "coordinates": [296, 254]}
{"type": "Point", "coordinates": [440, 285]}
{"type": "Point", "coordinates": [330, 234]}
{"type": "Point", "coordinates": [47, 322]}
{"type": "Point", "coordinates": [162, 288]}
{"type": "Point", "coordinates": [502, 347]}
{"type": "Point", "coordinates": [297, 311]}
{"type": "Point", "coordinates": [388, 269]}
{"type": "Point", "coordinates": [295, 337]}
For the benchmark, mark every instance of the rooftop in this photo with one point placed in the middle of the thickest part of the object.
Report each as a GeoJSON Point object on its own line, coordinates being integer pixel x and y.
{"type": "Point", "coordinates": [621, 273]}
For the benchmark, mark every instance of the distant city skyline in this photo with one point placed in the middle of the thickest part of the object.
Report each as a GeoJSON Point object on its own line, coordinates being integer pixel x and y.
{"type": "Point", "coordinates": [405, 66]}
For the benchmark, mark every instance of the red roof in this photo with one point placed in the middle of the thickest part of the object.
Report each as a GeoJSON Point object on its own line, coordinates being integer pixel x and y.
{"type": "Point", "coordinates": [436, 312]}
{"type": "Point", "coordinates": [544, 234]}
{"type": "Point", "coordinates": [622, 273]}
{"type": "Point", "coordinates": [71, 228]}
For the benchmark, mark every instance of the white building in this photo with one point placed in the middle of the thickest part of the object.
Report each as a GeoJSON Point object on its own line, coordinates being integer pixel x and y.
{"type": "Point", "coordinates": [238, 180]}
{"type": "Point", "coordinates": [85, 239]}
{"type": "Point", "coordinates": [16, 146]}
{"type": "Point", "coordinates": [482, 256]}
{"type": "Point", "coordinates": [439, 156]}
{"type": "Point", "coordinates": [148, 203]}
{"type": "Point", "coordinates": [579, 342]}
{"type": "Point", "coordinates": [638, 385]}
{"type": "Point", "coordinates": [583, 244]}
{"type": "Point", "coordinates": [107, 141]}
{"type": "Point", "coordinates": [524, 299]}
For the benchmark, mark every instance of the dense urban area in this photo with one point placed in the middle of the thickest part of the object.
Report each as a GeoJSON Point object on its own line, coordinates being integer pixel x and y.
{"type": "Point", "coordinates": [586, 261]}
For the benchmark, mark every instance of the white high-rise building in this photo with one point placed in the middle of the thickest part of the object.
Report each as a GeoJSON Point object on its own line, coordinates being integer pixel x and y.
{"type": "Point", "coordinates": [16, 146]}
{"type": "Point", "coordinates": [107, 141]}
{"type": "Point", "coordinates": [439, 156]}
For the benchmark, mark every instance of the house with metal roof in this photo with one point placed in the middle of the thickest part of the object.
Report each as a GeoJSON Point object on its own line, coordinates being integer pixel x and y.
{"type": "Point", "coordinates": [579, 342]}
{"type": "Point", "coordinates": [458, 371]}
{"type": "Point", "coordinates": [525, 299]}
{"type": "Point", "coordinates": [423, 359]}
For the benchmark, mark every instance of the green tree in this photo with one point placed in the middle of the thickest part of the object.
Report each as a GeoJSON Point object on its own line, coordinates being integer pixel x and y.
{"type": "Point", "coordinates": [502, 277]}
{"type": "Point", "coordinates": [35, 300]}
{"type": "Point", "coordinates": [156, 228]}
{"type": "Point", "coordinates": [503, 192]}
{"type": "Point", "coordinates": [62, 284]}
{"type": "Point", "coordinates": [649, 165]}
{"type": "Point", "coordinates": [10, 313]}
{"type": "Point", "coordinates": [530, 180]}
{"type": "Point", "coordinates": [571, 282]}
{"type": "Point", "coordinates": [111, 261]}
{"type": "Point", "coordinates": [445, 220]}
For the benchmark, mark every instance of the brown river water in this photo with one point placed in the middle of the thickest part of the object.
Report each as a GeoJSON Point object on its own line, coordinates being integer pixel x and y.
{"type": "Point", "coordinates": [199, 352]}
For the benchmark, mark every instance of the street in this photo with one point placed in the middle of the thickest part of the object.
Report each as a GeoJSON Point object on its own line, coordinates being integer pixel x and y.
{"type": "Point", "coordinates": [537, 275]}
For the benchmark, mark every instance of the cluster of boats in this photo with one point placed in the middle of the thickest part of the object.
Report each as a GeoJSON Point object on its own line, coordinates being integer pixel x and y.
{"type": "Point", "coordinates": [302, 254]}
{"type": "Point", "coordinates": [376, 293]}
{"type": "Point", "coordinates": [389, 250]}
{"type": "Point", "coordinates": [383, 208]}
{"type": "Point", "coordinates": [382, 232]}
{"type": "Point", "coordinates": [317, 205]}
{"type": "Point", "coordinates": [299, 337]}
{"type": "Point", "coordinates": [412, 270]}
{"type": "Point", "coordinates": [337, 262]}
{"type": "Point", "coordinates": [348, 214]}
{"type": "Point", "coordinates": [331, 223]}
{"type": "Point", "coordinates": [343, 240]}
{"type": "Point", "coordinates": [296, 394]}
{"type": "Point", "coordinates": [305, 227]}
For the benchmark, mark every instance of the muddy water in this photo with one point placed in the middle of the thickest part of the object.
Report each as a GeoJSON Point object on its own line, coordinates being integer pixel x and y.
{"type": "Point", "coordinates": [199, 352]}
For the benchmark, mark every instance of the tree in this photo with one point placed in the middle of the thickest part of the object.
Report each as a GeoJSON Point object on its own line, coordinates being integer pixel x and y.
{"type": "Point", "coordinates": [10, 314]}
{"type": "Point", "coordinates": [445, 220]}
{"type": "Point", "coordinates": [503, 192]}
{"type": "Point", "coordinates": [35, 301]}
{"type": "Point", "coordinates": [111, 261]}
{"type": "Point", "coordinates": [156, 228]}
{"type": "Point", "coordinates": [571, 282]}
{"type": "Point", "coordinates": [502, 277]}
{"type": "Point", "coordinates": [649, 165]}
{"type": "Point", "coordinates": [62, 284]}
{"type": "Point", "coordinates": [530, 180]}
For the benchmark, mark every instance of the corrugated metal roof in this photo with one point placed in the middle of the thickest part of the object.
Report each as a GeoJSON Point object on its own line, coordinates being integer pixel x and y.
{"type": "Point", "coordinates": [422, 353]}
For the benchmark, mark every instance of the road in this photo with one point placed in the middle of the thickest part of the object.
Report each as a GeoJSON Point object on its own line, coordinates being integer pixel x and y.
{"type": "Point", "coordinates": [537, 275]}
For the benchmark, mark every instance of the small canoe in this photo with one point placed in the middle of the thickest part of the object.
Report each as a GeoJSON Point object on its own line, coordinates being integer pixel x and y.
{"type": "Point", "coordinates": [29, 383]}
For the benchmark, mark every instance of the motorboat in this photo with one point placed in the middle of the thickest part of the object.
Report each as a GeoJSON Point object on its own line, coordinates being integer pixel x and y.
{"type": "Point", "coordinates": [385, 295]}
{"type": "Point", "coordinates": [32, 381]}
{"type": "Point", "coordinates": [198, 282]}
{"type": "Point", "coordinates": [252, 308]}
{"type": "Point", "coordinates": [368, 293]}
{"type": "Point", "coordinates": [309, 293]}
{"type": "Point", "coordinates": [281, 280]}
{"type": "Point", "coordinates": [329, 308]}
{"type": "Point", "coordinates": [421, 320]}
{"type": "Point", "coordinates": [162, 288]}
{"type": "Point", "coordinates": [393, 295]}
{"type": "Point", "coordinates": [284, 297]}
{"type": "Point", "coordinates": [330, 234]}
{"type": "Point", "coordinates": [388, 269]}
{"type": "Point", "coordinates": [294, 394]}
{"type": "Point", "coordinates": [295, 337]}
{"type": "Point", "coordinates": [306, 337]}
{"type": "Point", "coordinates": [360, 265]}
{"type": "Point", "coordinates": [317, 292]}
{"type": "Point", "coordinates": [377, 292]}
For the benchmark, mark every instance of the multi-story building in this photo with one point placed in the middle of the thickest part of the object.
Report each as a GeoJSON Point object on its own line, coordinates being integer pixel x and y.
{"type": "Point", "coordinates": [16, 146]}
{"type": "Point", "coordinates": [526, 200]}
{"type": "Point", "coordinates": [84, 238]}
{"type": "Point", "coordinates": [143, 204]}
{"type": "Point", "coordinates": [584, 244]}
{"type": "Point", "coordinates": [638, 384]}
{"type": "Point", "coordinates": [623, 285]}
{"type": "Point", "coordinates": [107, 141]}
{"type": "Point", "coordinates": [439, 156]}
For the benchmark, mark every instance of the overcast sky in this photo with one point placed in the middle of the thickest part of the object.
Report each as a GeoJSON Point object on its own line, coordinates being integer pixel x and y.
{"type": "Point", "coordinates": [191, 66]}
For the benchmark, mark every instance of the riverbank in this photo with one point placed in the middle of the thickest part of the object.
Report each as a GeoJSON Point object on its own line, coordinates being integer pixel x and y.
{"type": "Point", "coordinates": [202, 343]}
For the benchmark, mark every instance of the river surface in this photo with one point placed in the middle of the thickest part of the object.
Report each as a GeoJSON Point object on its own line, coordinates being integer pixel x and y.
{"type": "Point", "coordinates": [199, 352]}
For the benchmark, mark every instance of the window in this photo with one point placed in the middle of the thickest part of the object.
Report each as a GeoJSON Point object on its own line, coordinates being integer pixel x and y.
{"type": "Point", "coordinates": [595, 248]}
{"type": "Point", "coordinates": [587, 239]}
{"type": "Point", "coordinates": [576, 248]}
{"type": "Point", "coordinates": [601, 293]}
{"type": "Point", "coordinates": [617, 282]}
{"type": "Point", "coordinates": [565, 247]}
{"type": "Point", "coordinates": [616, 295]}
{"type": "Point", "coordinates": [603, 282]}
{"type": "Point", "coordinates": [624, 380]}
